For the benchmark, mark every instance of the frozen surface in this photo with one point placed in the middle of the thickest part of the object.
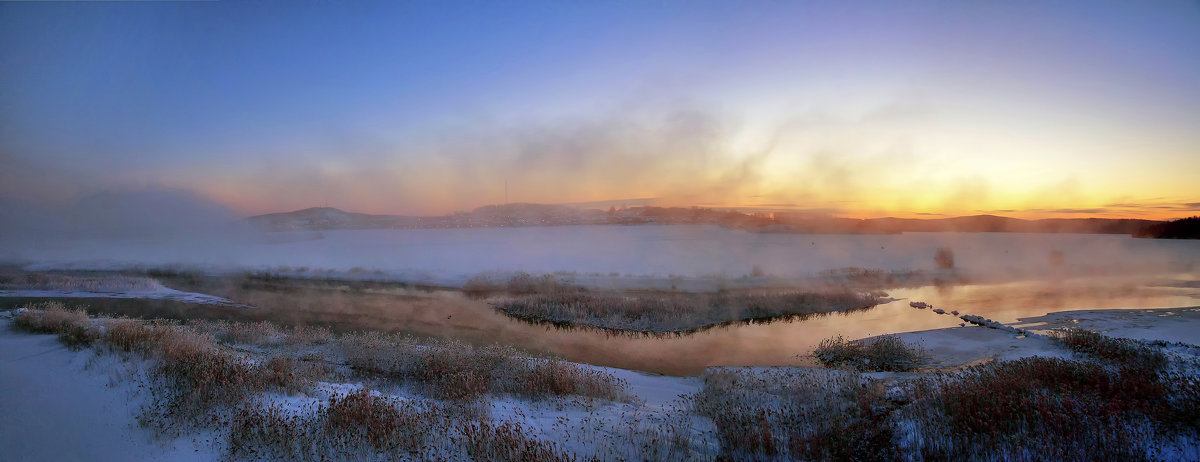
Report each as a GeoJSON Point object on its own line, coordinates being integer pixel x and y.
{"type": "Point", "coordinates": [162, 293]}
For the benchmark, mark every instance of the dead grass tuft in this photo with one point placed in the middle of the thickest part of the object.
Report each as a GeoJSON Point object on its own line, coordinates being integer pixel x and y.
{"type": "Point", "coordinates": [506, 442]}
{"type": "Point", "coordinates": [451, 370]}
{"type": "Point", "coordinates": [1124, 352]}
{"type": "Point", "coordinates": [883, 353]}
{"type": "Point", "coordinates": [73, 327]}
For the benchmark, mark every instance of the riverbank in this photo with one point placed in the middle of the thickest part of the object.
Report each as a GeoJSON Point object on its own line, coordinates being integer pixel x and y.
{"type": "Point", "coordinates": [94, 399]}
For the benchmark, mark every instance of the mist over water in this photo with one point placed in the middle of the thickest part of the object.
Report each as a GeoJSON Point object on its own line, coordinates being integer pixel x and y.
{"type": "Point", "coordinates": [593, 253]}
{"type": "Point", "coordinates": [1003, 276]}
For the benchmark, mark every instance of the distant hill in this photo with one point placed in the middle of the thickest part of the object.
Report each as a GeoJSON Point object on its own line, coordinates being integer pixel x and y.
{"type": "Point", "coordinates": [507, 215]}
{"type": "Point", "coordinates": [1186, 228]}
{"type": "Point", "coordinates": [975, 223]}
{"type": "Point", "coordinates": [327, 218]}
{"type": "Point", "coordinates": [524, 214]}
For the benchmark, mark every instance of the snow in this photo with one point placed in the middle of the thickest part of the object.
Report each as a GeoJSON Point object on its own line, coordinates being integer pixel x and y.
{"type": "Point", "coordinates": [62, 405]}
{"type": "Point", "coordinates": [65, 405]}
{"type": "Point", "coordinates": [956, 347]}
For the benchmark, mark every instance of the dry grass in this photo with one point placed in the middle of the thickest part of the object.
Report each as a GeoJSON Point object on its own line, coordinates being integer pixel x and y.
{"type": "Point", "coordinates": [13, 279]}
{"type": "Point", "coordinates": [1039, 408]}
{"type": "Point", "coordinates": [797, 414]}
{"type": "Point", "coordinates": [262, 333]}
{"type": "Point", "coordinates": [665, 312]}
{"type": "Point", "coordinates": [73, 327]}
{"type": "Point", "coordinates": [521, 283]}
{"type": "Point", "coordinates": [196, 382]}
{"type": "Point", "coordinates": [360, 424]}
{"type": "Point", "coordinates": [883, 353]}
{"type": "Point", "coordinates": [507, 442]}
{"type": "Point", "coordinates": [1124, 352]}
{"type": "Point", "coordinates": [1027, 409]}
{"type": "Point", "coordinates": [1126, 407]}
{"type": "Point", "coordinates": [462, 372]}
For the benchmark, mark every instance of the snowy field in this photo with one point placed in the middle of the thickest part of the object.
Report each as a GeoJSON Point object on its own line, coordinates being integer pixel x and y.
{"type": "Point", "coordinates": [605, 255]}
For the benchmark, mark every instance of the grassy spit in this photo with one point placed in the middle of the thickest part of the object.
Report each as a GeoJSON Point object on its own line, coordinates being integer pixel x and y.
{"type": "Point", "coordinates": [543, 299]}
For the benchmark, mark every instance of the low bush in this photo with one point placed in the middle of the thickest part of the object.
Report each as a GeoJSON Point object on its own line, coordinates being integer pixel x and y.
{"type": "Point", "coordinates": [797, 415]}
{"type": "Point", "coordinates": [457, 371]}
{"type": "Point", "coordinates": [356, 425]}
{"type": "Point", "coordinates": [883, 353]}
{"type": "Point", "coordinates": [1035, 408]}
{"type": "Point", "coordinates": [1124, 352]}
{"type": "Point", "coordinates": [73, 327]}
{"type": "Point", "coordinates": [507, 442]}
{"type": "Point", "coordinates": [389, 425]}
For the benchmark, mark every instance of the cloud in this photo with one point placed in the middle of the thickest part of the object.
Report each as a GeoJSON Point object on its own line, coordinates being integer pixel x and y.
{"type": "Point", "coordinates": [1092, 211]}
{"type": "Point", "coordinates": [1155, 205]}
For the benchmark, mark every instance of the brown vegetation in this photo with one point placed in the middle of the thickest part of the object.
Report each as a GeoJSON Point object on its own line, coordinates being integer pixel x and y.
{"type": "Point", "coordinates": [883, 353]}
{"type": "Point", "coordinates": [665, 312]}
{"type": "Point", "coordinates": [462, 372]}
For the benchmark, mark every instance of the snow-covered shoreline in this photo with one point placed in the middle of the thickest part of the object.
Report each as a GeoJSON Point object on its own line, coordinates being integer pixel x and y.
{"type": "Point", "coordinates": [80, 405]}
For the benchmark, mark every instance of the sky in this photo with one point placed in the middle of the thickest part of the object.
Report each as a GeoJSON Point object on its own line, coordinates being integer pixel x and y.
{"type": "Point", "coordinates": [861, 109]}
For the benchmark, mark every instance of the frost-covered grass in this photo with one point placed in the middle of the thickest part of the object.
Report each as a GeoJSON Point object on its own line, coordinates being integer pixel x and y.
{"type": "Point", "coordinates": [458, 371]}
{"type": "Point", "coordinates": [797, 414]}
{"type": "Point", "coordinates": [73, 327]}
{"type": "Point", "coordinates": [1126, 407]}
{"type": "Point", "coordinates": [1037, 408]}
{"type": "Point", "coordinates": [1128, 353]}
{"type": "Point", "coordinates": [268, 396]}
{"type": "Point", "coordinates": [262, 333]}
{"type": "Point", "coordinates": [666, 312]}
{"type": "Point", "coordinates": [882, 353]}
{"type": "Point", "coordinates": [196, 382]}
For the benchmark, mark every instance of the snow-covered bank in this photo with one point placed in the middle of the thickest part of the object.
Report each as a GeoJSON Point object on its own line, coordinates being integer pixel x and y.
{"type": "Point", "coordinates": [958, 346]}
{"type": "Point", "coordinates": [654, 418]}
{"type": "Point", "coordinates": [63, 405]}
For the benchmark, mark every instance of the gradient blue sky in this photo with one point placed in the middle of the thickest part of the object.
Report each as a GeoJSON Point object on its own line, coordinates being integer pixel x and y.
{"type": "Point", "coordinates": [860, 108]}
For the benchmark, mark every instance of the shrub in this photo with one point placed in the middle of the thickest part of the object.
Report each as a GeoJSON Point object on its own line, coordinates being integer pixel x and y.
{"type": "Point", "coordinates": [883, 353]}
{"type": "Point", "coordinates": [462, 372]}
{"type": "Point", "coordinates": [1035, 408]}
{"type": "Point", "coordinates": [73, 327]}
{"type": "Point", "coordinates": [1124, 352]}
{"type": "Point", "coordinates": [550, 377]}
{"type": "Point", "coordinates": [386, 423]}
{"type": "Point", "coordinates": [356, 425]}
{"type": "Point", "coordinates": [481, 286]}
{"type": "Point", "coordinates": [797, 415]}
{"type": "Point", "coordinates": [507, 442]}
